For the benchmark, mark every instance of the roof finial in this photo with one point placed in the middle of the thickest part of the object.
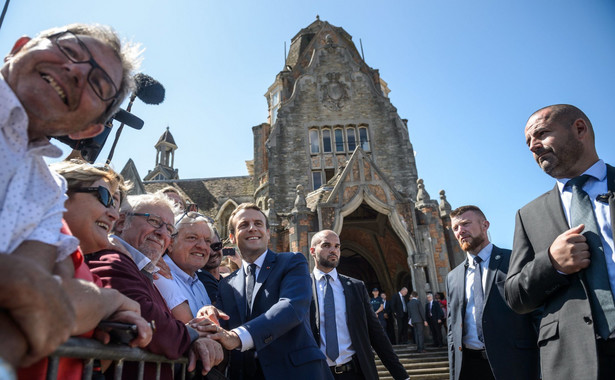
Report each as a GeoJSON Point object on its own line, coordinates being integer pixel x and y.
{"type": "Point", "coordinates": [167, 127]}
{"type": "Point", "coordinates": [318, 17]}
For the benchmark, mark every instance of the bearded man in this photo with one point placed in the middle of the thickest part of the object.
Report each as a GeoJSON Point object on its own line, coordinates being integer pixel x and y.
{"type": "Point", "coordinates": [486, 339]}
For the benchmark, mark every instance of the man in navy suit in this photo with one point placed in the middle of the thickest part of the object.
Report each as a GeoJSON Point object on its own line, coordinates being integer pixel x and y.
{"type": "Point", "coordinates": [349, 328]}
{"type": "Point", "coordinates": [434, 315]}
{"type": "Point", "coordinates": [558, 258]}
{"type": "Point", "coordinates": [486, 339]}
{"type": "Point", "coordinates": [267, 301]}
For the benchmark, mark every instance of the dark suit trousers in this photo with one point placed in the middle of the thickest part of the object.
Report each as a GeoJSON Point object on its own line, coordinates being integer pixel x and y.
{"type": "Point", "coordinates": [419, 335]}
{"type": "Point", "coordinates": [402, 329]}
{"type": "Point", "coordinates": [475, 367]}
{"type": "Point", "coordinates": [436, 331]}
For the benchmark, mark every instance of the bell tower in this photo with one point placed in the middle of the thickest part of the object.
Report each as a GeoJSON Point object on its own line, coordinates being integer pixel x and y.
{"type": "Point", "coordinates": [165, 159]}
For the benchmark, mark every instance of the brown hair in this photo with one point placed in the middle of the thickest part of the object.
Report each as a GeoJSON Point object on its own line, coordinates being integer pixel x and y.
{"type": "Point", "coordinates": [244, 206]}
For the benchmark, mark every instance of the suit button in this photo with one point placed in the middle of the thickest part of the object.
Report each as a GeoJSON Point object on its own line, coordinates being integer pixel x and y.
{"type": "Point", "coordinates": [587, 320]}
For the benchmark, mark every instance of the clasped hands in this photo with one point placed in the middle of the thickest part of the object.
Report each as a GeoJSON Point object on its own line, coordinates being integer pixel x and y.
{"type": "Point", "coordinates": [207, 324]}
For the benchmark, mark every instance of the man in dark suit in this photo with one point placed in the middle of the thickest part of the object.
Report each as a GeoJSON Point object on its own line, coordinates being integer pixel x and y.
{"type": "Point", "coordinates": [434, 315]}
{"type": "Point", "coordinates": [400, 315]}
{"type": "Point", "coordinates": [562, 256]}
{"type": "Point", "coordinates": [267, 300]}
{"type": "Point", "coordinates": [342, 319]}
{"type": "Point", "coordinates": [486, 338]}
{"type": "Point", "coordinates": [388, 324]}
{"type": "Point", "coordinates": [416, 313]}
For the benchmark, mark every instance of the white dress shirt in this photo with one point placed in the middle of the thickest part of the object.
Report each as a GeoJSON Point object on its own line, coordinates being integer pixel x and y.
{"type": "Point", "coordinates": [470, 335]}
{"type": "Point", "coordinates": [595, 185]}
{"type": "Point", "coordinates": [247, 342]}
{"type": "Point", "coordinates": [31, 196]}
{"type": "Point", "coordinates": [343, 335]}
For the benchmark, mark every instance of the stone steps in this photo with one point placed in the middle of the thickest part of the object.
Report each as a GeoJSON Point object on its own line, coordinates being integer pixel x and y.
{"type": "Point", "coordinates": [430, 365]}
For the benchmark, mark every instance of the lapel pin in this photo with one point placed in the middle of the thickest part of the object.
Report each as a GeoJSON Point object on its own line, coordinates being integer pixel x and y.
{"type": "Point", "coordinates": [267, 267]}
{"type": "Point", "coordinates": [497, 257]}
{"type": "Point", "coordinates": [347, 282]}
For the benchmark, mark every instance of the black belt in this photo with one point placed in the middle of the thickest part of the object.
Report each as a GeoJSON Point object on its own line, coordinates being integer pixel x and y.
{"type": "Point", "coordinates": [475, 354]}
{"type": "Point", "coordinates": [346, 367]}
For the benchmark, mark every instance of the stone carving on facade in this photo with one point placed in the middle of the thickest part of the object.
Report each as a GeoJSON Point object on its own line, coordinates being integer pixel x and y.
{"type": "Point", "coordinates": [334, 93]}
{"type": "Point", "coordinates": [445, 207]}
{"type": "Point", "coordinates": [422, 196]}
{"type": "Point", "coordinates": [300, 202]}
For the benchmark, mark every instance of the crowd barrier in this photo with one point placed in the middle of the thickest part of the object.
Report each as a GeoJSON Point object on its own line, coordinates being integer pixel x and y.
{"type": "Point", "coordinates": [89, 350]}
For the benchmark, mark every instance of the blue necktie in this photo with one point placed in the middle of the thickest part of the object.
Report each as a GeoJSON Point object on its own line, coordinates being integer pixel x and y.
{"type": "Point", "coordinates": [250, 287]}
{"type": "Point", "coordinates": [330, 326]}
{"type": "Point", "coordinates": [478, 297]}
{"type": "Point", "coordinates": [596, 275]}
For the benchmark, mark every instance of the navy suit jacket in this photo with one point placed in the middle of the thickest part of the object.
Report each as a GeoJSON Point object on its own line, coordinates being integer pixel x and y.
{"type": "Point", "coordinates": [436, 312]}
{"type": "Point", "coordinates": [566, 339]}
{"type": "Point", "coordinates": [510, 338]}
{"type": "Point", "coordinates": [365, 329]}
{"type": "Point", "coordinates": [279, 326]}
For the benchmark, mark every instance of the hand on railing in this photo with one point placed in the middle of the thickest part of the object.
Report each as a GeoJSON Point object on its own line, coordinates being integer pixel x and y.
{"type": "Point", "coordinates": [209, 351]}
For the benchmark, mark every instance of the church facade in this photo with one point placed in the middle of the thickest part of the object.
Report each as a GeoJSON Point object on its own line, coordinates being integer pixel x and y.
{"type": "Point", "coordinates": [333, 154]}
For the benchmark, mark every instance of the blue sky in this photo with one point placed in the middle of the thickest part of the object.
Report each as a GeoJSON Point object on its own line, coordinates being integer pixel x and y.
{"type": "Point", "coordinates": [466, 75]}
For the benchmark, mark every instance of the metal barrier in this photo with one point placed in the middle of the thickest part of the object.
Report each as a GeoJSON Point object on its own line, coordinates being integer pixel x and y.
{"type": "Point", "coordinates": [89, 350]}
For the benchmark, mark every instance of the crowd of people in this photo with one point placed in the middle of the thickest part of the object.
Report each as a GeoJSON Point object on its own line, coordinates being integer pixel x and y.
{"type": "Point", "coordinates": [78, 254]}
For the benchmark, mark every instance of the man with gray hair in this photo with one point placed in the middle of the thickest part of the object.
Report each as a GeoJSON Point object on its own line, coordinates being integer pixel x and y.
{"type": "Point", "coordinates": [145, 229]}
{"type": "Point", "coordinates": [185, 294]}
{"type": "Point", "coordinates": [66, 81]}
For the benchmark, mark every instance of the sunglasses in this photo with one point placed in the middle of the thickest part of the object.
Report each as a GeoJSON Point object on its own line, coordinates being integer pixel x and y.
{"type": "Point", "coordinates": [216, 246]}
{"type": "Point", "coordinates": [102, 193]}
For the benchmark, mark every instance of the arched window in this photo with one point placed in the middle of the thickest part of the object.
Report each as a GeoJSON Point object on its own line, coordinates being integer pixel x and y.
{"type": "Point", "coordinates": [339, 140]}
{"type": "Point", "coordinates": [314, 141]}
{"type": "Point", "coordinates": [351, 139]}
{"type": "Point", "coordinates": [363, 139]}
{"type": "Point", "coordinates": [326, 140]}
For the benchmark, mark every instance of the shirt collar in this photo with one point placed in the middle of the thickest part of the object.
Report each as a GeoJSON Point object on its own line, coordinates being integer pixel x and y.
{"type": "Point", "coordinates": [484, 254]}
{"type": "Point", "coordinates": [596, 171]}
{"type": "Point", "coordinates": [259, 262]}
{"type": "Point", "coordinates": [177, 271]}
{"type": "Point", "coordinates": [143, 262]}
{"type": "Point", "coordinates": [318, 274]}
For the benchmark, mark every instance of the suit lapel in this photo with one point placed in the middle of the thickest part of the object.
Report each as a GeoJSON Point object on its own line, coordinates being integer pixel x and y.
{"type": "Point", "coordinates": [264, 272]}
{"type": "Point", "coordinates": [238, 283]}
{"type": "Point", "coordinates": [347, 298]}
{"type": "Point", "coordinates": [494, 265]}
{"type": "Point", "coordinates": [459, 288]}
{"type": "Point", "coordinates": [554, 211]}
{"type": "Point", "coordinates": [315, 312]}
{"type": "Point", "coordinates": [610, 178]}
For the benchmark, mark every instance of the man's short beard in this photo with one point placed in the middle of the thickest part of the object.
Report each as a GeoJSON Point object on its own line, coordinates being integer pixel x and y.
{"type": "Point", "coordinates": [474, 243]}
{"type": "Point", "coordinates": [326, 263]}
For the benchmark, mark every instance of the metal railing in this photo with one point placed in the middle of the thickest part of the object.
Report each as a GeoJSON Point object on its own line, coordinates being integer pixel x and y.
{"type": "Point", "coordinates": [89, 350]}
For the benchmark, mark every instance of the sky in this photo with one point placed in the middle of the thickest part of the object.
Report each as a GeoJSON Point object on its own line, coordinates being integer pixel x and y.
{"type": "Point", "coordinates": [466, 75]}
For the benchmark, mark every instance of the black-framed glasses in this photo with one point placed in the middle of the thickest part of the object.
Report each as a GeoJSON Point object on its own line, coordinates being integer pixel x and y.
{"type": "Point", "coordinates": [156, 221]}
{"type": "Point", "coordinates": [194, 215]}
{"type": "Point", "coordinates": [102, 193]}
{"type": "Point", "coordinates": [216, 246]}
{"type": "Point", "coordinates": [76, 51]}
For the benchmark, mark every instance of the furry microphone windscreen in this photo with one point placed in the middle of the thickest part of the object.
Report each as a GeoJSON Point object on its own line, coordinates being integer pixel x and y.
{"type": "Point", "coordinates": [149, 90]}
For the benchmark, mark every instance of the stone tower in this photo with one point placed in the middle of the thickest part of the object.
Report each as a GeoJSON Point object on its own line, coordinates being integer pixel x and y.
{"type": "Point", "coordinates": [335, 154]}
{"type": "Point", "coordinates": [165, 159]}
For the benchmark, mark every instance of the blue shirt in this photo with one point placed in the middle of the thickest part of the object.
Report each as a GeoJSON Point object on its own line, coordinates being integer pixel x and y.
{"type": "Point", "coordinates": [181, 288]}
{"type": "Point", "coordinates": [470, 335]}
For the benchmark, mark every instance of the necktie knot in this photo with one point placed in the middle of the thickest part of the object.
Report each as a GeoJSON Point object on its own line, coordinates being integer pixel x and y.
{"type": "Point", "coordinates": [251, 269]}
{"type": "Point", "coordinates": [579, 181]}
{"type": "Point", "coordinates": [477, 260]}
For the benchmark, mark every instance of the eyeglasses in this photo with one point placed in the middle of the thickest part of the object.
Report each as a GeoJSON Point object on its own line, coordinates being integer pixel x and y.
{"type": "Point", "coordinates": [216, 246]}
{"type": "Point", "coordinates": [76, 51]}
{"type": "Point", "coordinates": [157, 222]}
{"type": "Point", "coordinates": [194, 215]}
{"type": "Point", "coordinates": [102, 193]}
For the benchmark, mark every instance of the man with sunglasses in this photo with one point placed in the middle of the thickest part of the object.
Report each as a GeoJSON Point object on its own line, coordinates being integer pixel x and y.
{"type": "Point", "coordinates": [65, 81]}
{"type": "Point", "coordinates": [145, 229]}
{"type": "Point", "coordinates": [210, 273]}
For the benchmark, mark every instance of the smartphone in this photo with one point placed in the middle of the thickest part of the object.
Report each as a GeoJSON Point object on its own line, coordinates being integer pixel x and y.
{"type": "Point", "coordinates": [119, 332]}
{"type": "Point", "coordinates": [228, 251]}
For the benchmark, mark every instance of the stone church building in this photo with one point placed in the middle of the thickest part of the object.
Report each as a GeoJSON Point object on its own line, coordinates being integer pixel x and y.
{"type": "Point", "coordinates": [333, 154]}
